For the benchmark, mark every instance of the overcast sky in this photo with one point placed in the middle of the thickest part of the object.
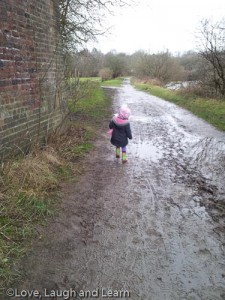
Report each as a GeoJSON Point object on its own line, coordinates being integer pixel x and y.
{"type": "Point", "coordinates": [157, 25]}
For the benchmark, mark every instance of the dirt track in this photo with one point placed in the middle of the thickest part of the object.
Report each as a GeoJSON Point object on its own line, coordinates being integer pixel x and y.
{"type": "Point", "coordinates": [153, 227]}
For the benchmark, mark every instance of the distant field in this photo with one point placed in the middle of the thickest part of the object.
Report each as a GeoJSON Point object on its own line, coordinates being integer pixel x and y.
{"type": "Point", "coordinates": [112, 82]}
{"type": "Point", "coordinates": [98, 79]}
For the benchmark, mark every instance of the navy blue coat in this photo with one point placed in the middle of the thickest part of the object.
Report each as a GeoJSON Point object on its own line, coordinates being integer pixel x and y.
{"type": "Point", "coordinates": [121, 132]}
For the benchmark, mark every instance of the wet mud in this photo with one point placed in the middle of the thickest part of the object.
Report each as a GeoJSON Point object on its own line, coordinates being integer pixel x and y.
{"type": "Point", "coordinates": [154, 226]}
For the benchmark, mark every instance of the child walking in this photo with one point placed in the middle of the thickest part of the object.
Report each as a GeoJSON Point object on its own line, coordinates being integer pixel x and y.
{"type": "Point", "coordinates": [121, 131]}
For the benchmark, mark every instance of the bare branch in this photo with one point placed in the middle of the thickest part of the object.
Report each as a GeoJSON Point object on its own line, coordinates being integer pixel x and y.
{"type": "Point", "coordinates": [212, 49]}
{"type": "Point", "coordinates": [81, 20]}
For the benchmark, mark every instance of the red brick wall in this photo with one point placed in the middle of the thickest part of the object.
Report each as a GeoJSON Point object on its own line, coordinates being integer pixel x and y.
{"type": "Point", "coordinates": [31, 71]}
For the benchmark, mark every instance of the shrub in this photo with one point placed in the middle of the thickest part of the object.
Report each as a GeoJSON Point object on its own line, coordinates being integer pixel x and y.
{"type": "Point", "coordinates": [106, 74]}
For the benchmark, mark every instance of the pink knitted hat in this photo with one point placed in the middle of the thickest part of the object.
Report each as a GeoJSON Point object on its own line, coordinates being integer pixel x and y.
{"type": "Point", "coordinates": [124, 112]}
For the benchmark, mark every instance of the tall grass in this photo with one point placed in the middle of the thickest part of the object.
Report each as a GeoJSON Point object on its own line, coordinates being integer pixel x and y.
{"type": "Point", "coordinates": [27, 198]}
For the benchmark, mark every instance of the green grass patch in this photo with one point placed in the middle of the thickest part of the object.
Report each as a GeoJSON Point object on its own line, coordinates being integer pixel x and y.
{"type": "Point", "coordinates": [117, 82]}
{"type": "Point", "coordinates": [80, 150]}
{"type": "Point", "coordinates": [64, 172]}
{"type": "Point", "coordinates": [20, 215]}
{"type": "Point", "coordinates": [83, 79]}
{"type": "Point", "coordinates": [40, 207]}
{"type": "Point", "coordinates": [93, 106]}
{"type": "Point", "coordinates": [88, 113]}
{"type": "Point", "coordinates": [94, 79]}
{"type": "Point", "coordinates": [211, 110]}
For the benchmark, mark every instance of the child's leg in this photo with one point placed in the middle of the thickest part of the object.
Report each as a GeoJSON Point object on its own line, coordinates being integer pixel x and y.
{"type": "Point", "coordinates": [117, 152]}
{"type": "Point", "coordinates": [124, 154]}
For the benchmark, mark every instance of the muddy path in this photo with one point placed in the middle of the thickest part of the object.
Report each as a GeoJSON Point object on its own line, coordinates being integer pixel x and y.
{"type": "Point", "coordinates": [151, 229]}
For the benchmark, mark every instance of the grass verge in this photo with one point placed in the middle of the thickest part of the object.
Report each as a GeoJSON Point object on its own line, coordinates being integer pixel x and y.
{"type": "Point", "coordinates": [30, 185]}
{"type": "Point", "coordinates": [28, 192]}
{"type": "Point", "coordinates": [211, 110]}
{"type": "Point", "coordinates": [117, 82]}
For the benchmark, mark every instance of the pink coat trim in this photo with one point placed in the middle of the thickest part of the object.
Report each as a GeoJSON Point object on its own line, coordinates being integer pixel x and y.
{"type": "Point", "coordinates": [119, 121]}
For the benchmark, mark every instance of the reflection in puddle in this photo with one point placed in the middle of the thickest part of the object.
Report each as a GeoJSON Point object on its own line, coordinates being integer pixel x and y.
{"type": "Point", "coordinates": [145, 150]}
{"type": "Point", "coordinates": [143, 119]}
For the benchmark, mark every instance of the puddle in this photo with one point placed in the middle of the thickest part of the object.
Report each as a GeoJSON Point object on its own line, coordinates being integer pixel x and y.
{"type": "Point", "coordinates": [145, 150]}
{"type": "Point", "coordinates": [142, 119]}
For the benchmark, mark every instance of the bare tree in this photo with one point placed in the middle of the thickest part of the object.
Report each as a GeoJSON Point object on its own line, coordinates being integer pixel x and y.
{"type": "Point", "coordinates": [106, 74]}
{"type": "Point", "coordinates": [86, 63]}
{"type": "Point", "coordinates": [117, 62]}
{"type": "Point", "coordinates": [162, 66]}
{"type": "Point", "coordinates": [192, 65]}
{"type": "Point", "coordinates": [81, 20]}
{"type": "Point", "coordinates": [212, 50]}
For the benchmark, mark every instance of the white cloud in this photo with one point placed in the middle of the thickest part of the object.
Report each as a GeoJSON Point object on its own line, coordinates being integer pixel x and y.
{"type": "Point", "coordinates": [157, 25]}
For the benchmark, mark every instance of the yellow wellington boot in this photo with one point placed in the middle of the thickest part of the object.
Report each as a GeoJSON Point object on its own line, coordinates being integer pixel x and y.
{"type": "Point", "coordinates": [124, 157]}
